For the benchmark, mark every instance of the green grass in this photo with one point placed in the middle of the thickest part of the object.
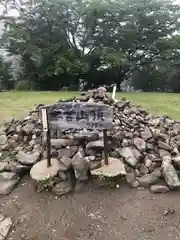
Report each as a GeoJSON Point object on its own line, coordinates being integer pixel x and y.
{"type": "Point", "coordinates": [157, 103]}
{"type": "Point", "coordinates": [17, 104]}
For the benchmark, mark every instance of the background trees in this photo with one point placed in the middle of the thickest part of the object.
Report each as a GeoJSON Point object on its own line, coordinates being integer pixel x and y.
{"type": "Point", "coordinates": [89, 42]}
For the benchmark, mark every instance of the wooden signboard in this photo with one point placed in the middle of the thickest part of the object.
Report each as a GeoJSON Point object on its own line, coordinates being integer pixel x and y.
{"type": "Point", "coordinates": [66, 115]}
{"type": "Point", "coordinates": [73, 115]}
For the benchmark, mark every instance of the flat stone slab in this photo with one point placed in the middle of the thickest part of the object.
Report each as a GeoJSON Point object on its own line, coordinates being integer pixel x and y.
{"type": "Point", "coordinates": [28, 158]}
{"type": "Point", "coordinates": [6, 186]}
{"type": "Point", "coordinates": [5, 226]}
{"type": "Point", "coordinates": [113, 169]}
{"type": "Point", "coordinates": [40, 171]}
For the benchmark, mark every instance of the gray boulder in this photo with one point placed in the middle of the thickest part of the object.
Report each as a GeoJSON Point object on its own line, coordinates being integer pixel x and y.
{"type": "Point", "coordinates": [80, 166]}
{"type": "Point", "coordinates": [170, 175]}
{"type": "Point", "coordinates": [149, 179]}
{"type": "Point", "coordinates": [140, 144]}
{"type": "Point", "coordinates": [28, 158]}
{"type": "Point", "coordinates": [95, 144]}
{"type": "Point", "coordinates": [129, 156]}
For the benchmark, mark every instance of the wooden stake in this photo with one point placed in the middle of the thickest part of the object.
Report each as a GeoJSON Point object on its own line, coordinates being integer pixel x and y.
{"type": "Point", "coordinates": [48, 145]}
{"type": "Point", "coordinates": [46, 129]}
{"type": "Point", "coordinates": [114, 92]}
{"type": "Point", "coordinates": [105, 146]}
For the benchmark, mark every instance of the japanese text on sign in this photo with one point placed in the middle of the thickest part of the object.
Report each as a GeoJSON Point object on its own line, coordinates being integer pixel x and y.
{"type": "Point", "coordinates": [81, 115]}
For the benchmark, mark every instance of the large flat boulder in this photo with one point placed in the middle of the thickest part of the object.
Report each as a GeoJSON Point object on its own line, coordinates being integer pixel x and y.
{"type": "Point", "coordinates": [40, 171]}
{"type": "Point", "coordinates": [114, 168]}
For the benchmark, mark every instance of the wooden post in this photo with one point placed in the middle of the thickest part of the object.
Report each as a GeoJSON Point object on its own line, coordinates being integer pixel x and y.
{"type": "Point", "coordinates": [46, 129]}
{"type": "Point", "coordinates": [105, 146]}
{"type": "Point", "coordinates": [48, 145]}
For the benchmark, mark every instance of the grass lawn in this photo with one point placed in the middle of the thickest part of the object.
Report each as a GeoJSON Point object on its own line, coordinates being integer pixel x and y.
{"type": "Point", "coordinates": [17, 104]}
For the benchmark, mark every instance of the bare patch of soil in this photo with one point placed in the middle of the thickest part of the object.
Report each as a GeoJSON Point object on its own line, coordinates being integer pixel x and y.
{"type": "Point", "coordinates": [95, 214]}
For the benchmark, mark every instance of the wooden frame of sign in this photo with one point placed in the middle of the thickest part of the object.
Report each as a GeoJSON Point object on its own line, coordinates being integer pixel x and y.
{"type": "Point", "coordinates": [77, 115]}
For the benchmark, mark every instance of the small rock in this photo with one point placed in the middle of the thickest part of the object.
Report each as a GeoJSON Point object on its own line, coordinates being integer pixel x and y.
{"type": "Point", "coordinates": [128, 168]}
{"type": "Point", "coordinates": [163, 153]}
{"type": "Point", "coordinates": [135, 184]}
{"type": "Point", "coordinates": [62, 188]}
{"type": "Point", "coordinates": [152, 167]}
{"type": "Point", "coordinates": [149, 179]}
{"type": "Point", "coordinates": [28, 128]}
{"type": "Point", "coordinates": [101, 89]}
{"type": "Point", "coordinates": [90, 158]}
{"type": "Point", "coordinates": [114, 154]}
{"type": "Point", "coordinates": [91, 152]}
{"type": "Point", "coordinates": [80, 166]}
{"type": "Point", "coordinates": [16, 138]}
{"type": "Point", "coordinates": [159, 189]}
{"type": "Point", "coordinates": [28, 158]}
{"type": "Point", "coordinates": [169, 211]}
{"type": "Point", "coordinates": [66, 162]}
{"type": "Point", "coordinates": [149, 146]}
{"type": "Point", "coordinates": [125, 143]}
{"type": "Point", "coordinates": [137, 173]}
{"type": "Point", "coordinates": [140, 144]}
{"type": "Point", "coordinates": [2, 130]}
{"type": "Point", "coordinates": [68, 152]}
{"type": "Point", "coordinates": [143, 169]}
{"type": "Point", "coordinates": [58, 143]}
{"type": "Point", "coordinates": [167, 159]}
{"type": "Point", "coordinates": [62, 176]}
{"type": "Point", "coordinates": [176, 160]}
{"type": "Point", "coordinates": [6, 186]}
{"type": "Point", "coordinates": [129, 156]}
{"type": "Point", "coordinates": [5, 227]}
{"type": "Point", "coordinates": [8, 176]}
{"type": "Point", "coordinates": [86, 135]}
{"type": "Point", "coordinates": [95, 144]}
{"type": "Point", "coordinates": [54, 153]}
{"type": "Point", "coordinates": [11, 129]}
{"type": "Point", "coordinates": [3, 165]}
{"type": "Point", "coordinates": [16, 167]}
{"type": "Point", "coordinates": [164, 146]}
{"type": "Point", "coordinates": [94, 165]}
{"type": "Point", "coordinates": [148, 162]}
{"type": "Point", "coordinates": [155, 122]}
{"type": "Point", "coordinates": [130, 177]}
{"type": "Point", "coordinates": [3, 139]}
{"type": "Point", "coordinates": [146, 134]}
{"type": "Point", "coordinates": [1, 217]}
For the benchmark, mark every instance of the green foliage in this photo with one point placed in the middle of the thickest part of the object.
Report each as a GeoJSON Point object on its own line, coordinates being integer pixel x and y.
{"type": "Point", "coordinates": [99, 42]}
{"type": "Point", "coordinates": [107, 182]}
{"type": "Point", "coordinates": [5, 76]}
{"type": "Point", "coordinates": [23, 85]}
{"type": "Point", "coordinates": [47, 184]}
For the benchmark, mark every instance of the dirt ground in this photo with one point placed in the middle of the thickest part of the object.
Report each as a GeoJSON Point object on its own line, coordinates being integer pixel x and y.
{"type": "Point", "coordinates": [95, 214]}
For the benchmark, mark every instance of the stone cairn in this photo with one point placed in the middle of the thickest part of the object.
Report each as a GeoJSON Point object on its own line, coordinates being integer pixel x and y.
{"type": "Point", "coordinates": [148, 148]}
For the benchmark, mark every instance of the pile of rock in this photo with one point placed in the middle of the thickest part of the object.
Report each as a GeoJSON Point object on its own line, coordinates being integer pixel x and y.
{"type": "Point", "coordinates": [148, 147]}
